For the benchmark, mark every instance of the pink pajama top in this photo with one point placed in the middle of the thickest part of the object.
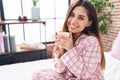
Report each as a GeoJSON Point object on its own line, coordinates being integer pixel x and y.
{"type": "Point", "coordinates": [83, 61]}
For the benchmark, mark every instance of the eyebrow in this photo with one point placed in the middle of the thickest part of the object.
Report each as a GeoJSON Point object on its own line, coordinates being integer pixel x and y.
{"type": "Point", "coordinates": [82, 16]}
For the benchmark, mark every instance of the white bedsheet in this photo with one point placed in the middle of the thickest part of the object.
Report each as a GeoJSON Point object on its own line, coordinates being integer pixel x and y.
{"type": "Point", "coordinates": [24, 71]}
{"type": "Point", "coordinates": [112, 71]}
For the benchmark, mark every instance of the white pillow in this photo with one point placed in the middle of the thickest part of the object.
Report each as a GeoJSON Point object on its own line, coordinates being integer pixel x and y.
{"type": "Point", "coordinates": [115, 51]}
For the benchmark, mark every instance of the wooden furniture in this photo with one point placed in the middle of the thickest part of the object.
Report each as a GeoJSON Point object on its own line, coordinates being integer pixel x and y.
{"type": "Point", "coordinates": [25, 56]}
{"type": "Point", "coordinates": [9, 22]}
{"type": "Point", "coordinates": [22, 55]}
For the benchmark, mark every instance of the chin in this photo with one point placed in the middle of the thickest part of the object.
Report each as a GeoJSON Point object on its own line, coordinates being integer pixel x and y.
{"type": "Point", "coordinates": [71, 31]}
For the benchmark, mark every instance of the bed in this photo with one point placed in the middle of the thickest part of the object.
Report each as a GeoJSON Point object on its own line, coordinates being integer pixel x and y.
{"type": "Point", "coordinates": [24, 71]}
{"type": "Point", "coordinates": [112, 71]}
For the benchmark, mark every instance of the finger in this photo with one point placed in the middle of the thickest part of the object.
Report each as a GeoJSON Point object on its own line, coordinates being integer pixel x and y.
{"type": "Point", "coordinates": [70, 35]}
{"type": "Point", "coordinates": [62, 43]}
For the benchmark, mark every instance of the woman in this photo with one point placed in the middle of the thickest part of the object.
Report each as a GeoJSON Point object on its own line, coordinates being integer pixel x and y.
{"type": "Point", "coordinates": [78, 56]}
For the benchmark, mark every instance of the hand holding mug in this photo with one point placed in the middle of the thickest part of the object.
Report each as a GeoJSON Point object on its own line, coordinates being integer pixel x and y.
{"type": "Point", "coordinates": [64, 40]}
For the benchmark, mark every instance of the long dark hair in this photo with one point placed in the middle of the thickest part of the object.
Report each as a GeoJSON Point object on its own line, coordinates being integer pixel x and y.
{"type": "Point", "coordinates": [93, 29]}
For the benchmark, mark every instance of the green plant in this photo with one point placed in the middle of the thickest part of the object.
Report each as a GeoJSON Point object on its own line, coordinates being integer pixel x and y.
{"type": "Point", "coordinates": [35, 2]}
{"type": "Point", "coordinates": [103, 18]}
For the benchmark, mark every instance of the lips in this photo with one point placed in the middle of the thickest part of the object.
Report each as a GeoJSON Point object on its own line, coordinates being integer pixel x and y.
{"type": "Point", "coordinates": [72, 26]}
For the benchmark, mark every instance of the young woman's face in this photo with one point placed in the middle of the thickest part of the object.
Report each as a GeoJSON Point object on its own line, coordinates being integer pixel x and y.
{"type": "Point", "coordinates": [78, 20]}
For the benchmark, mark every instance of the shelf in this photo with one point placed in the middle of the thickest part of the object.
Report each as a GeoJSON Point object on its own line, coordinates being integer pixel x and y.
{"type": "Point", "coordinates": [21, 22]}
{"type": "Point", "coordinates": [8, 22]}
{"type": "Point", "coordinates": [22, 55]}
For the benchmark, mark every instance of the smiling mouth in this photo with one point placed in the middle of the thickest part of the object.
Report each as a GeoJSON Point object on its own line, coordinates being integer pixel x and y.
{"type": "Point", "coordinates": [73, 27]}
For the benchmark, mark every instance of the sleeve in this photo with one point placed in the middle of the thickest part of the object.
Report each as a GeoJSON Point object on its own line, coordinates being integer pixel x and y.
{"type": "Point", "coordinates": [84, 58]}
{"type": "Point", "coordinates": [59, 65]}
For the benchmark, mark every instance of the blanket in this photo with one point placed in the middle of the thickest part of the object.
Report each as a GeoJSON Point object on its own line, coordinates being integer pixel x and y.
{"type": "Point", "coordinates": [24, 71]}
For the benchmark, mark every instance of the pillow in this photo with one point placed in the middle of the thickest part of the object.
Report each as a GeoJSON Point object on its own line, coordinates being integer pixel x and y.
{"type": "Point", "coordinates": [115, 51]}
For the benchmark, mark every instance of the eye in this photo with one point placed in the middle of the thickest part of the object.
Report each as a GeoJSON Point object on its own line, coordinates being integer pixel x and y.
{"type": "Point", "coordinates": [81, 18]}
{"type": "Point", "coordinates": [71, 14]}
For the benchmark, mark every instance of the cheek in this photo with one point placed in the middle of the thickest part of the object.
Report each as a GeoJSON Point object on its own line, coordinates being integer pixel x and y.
{"type": "Point", "coordinates": [83, 24]}
{"type": "Point", "coordinates": [68, 22]}
{"type": "Point", "coordinates": [81, 27]}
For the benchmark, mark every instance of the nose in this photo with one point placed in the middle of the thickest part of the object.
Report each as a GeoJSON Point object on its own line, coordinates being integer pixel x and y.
{"type": "Point", "coordinates": [74, 21]}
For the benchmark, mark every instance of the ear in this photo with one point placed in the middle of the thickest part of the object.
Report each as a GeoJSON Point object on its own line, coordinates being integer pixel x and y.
{"type": "Point", "coordinates": [89, 23]}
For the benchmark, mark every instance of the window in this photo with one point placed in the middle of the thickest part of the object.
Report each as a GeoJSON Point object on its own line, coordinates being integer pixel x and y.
{"type": "Point", "coordinates": [51, 11]}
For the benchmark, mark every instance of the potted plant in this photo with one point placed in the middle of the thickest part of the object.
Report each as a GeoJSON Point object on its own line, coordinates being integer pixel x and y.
{"type": "Point", "coordinates": [35, 10]}
{"type": "Point", "coordinates": [103, 19]}
{"type": "Point", "coordinates": [35, 2]}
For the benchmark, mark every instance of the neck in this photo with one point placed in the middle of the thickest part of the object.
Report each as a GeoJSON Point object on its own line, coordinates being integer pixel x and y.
{"type": "Point", "coordinates": [76, 36]}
